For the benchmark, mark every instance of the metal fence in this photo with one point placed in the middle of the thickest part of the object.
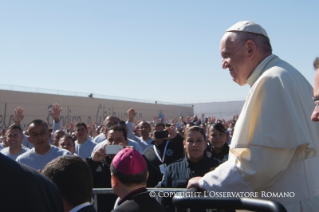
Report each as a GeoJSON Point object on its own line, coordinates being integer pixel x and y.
{"type": "Point", "coordinates": [97, 191]}
{"type": "Point", "coordinates": [183, 202]}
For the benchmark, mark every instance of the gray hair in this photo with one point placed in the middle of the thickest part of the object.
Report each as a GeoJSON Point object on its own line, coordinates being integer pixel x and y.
{"type": "Point", "coordinates": [262, 42]}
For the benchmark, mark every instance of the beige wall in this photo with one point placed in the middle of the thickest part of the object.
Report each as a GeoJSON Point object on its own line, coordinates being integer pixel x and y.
{"type": "Point", "coordinates": [85, 109]}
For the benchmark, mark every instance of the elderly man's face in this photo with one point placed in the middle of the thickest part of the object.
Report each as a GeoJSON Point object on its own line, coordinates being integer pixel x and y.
{"type": "Point", "coordinates": [315, 113]}
{"type": "Point", "coordinates": [233, 54]}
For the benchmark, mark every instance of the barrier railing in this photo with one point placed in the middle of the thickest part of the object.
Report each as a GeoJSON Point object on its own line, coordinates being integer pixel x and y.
{"type": "Point", "coordinates": [97, 191]}
{"type": "Point", "coordinates": [184, 202]}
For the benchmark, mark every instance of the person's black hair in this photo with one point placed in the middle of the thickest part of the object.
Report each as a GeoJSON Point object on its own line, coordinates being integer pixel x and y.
{"type": "Point", "coordinates": [218, 127]}
{"type": "Point", "coordinates": [14, 127]}
{"type": "Point", "coordinates": [130, 179]}
{"type": "Point", "coordinates": [73, 177]}
{"type": "Point", "coordinates": [121, 129]}
{"type": "Point", "coordinates": [197, 129]}
{"type": "Point", "coordinates": [159, 124]}
{"type": "Point", "coordinates": [81, 124]}
{"type": "Point", "coordinates": [67, 136]}
{"type": "Point", "coordinates": [39, 121]}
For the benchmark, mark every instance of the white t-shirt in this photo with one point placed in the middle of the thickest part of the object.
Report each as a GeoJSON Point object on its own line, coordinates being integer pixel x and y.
{"type": "Point", "coordinates": [6, 152]}
{"type": "Point", "coordinates": [85, 149]}
{"type": "Point", "coordinates": [37, 161]}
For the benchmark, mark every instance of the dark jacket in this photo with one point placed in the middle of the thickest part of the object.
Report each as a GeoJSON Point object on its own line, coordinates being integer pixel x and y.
{"type": "Point", "coordinates": [177, 175]}
{"type": "Point", "coordinates": [221, 156]}
{"type": "Point", "coordinates": [174, 151]}
{"type": "Point", "coordinates": [102, 179]}
{"type": "Point", "coordinates": [139, 200]}
{"type": "Point", "coordinates": [24, 189]}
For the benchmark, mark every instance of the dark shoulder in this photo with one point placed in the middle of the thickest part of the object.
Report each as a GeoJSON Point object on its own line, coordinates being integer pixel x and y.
{"type": "Point", "coordinates": [212, 161]}
{"type": "Point", "coordinates": [141, 202]}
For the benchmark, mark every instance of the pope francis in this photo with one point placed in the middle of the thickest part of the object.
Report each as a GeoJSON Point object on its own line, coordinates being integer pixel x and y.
{"type": "Point", "coordinates": [274, 149]}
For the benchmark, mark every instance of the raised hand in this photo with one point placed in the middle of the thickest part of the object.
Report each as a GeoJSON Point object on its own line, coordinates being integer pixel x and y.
{"type": "Point", "coordinates": [99, 154]}
{"type": "Point", "coordinates": [131, 114]}
{"type": "Point", "coordinates": [18, 116]}
{"type": "Point", "coordinates": [55, 112]}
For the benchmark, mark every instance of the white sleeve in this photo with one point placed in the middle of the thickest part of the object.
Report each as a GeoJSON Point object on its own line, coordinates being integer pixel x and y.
{"type": "Point", "coordinates": [255, 168]}
{"type": "Point", "coordinates": [226, 177]}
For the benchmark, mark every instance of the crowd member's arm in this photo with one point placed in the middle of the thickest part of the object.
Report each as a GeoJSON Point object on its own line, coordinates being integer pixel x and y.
{"type": "Point", "coordinates": [176, 138]}
{"type": "Point", "coordinates": [96, 159]}
{"type": "Point", "coordinates": [18, 117]}
{"type": "Point", "coordinates": [129, 123]}
{"type": "Point", "coordinates": [55, 113]}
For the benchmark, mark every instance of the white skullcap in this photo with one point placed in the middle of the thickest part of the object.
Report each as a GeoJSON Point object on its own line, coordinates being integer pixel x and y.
{"type": "Point", "coordinates": [248, 26]}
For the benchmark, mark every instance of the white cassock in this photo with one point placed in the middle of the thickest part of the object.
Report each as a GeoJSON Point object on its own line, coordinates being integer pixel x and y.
{"type": "Point", "coordinates": [275, 144]}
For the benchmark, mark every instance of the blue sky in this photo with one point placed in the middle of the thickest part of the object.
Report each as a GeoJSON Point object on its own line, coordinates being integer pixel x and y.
{"type": "Point", "coordinates": [154, 50]}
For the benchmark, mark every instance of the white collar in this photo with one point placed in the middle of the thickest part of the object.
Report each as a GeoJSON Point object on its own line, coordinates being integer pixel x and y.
{"type": "Point", "coordinates": [259, 70]}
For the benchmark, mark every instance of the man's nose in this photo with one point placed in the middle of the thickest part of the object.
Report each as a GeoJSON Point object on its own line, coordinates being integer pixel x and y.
{"type": "Point", "coordinates": [224, 64]}
{"type": "Point", "coordinates": [315, 114]}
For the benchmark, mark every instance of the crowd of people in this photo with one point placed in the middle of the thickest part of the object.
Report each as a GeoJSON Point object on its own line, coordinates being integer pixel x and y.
{"type": "Point", "coordinates": [201, 142]}
{"type": "Point", "coordinates": [272, 146]}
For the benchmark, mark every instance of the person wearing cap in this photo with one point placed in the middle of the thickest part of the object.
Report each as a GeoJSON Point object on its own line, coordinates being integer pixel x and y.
{"type": "Point", "coordinates": [315, 113]}
{"type": "Point", "coordinates": [275, 145]}
{"type": "Point", "coordinates": [128, 177]}
{"type": "Point", "coordinates": [100, 162]}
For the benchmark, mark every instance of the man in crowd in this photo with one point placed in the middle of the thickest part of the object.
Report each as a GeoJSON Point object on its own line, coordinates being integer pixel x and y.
{"type": "Point", "coordinates": [84, 145]}
{"type": "Point", "coordinates": [108, 122]}
{"type": "Point", "coordinates": [100, 166]}
{"type": "Point", "coordinates": [73, 177]}
{"type": "Point", "coordinates": [144, 130]}
{"type": "Point", "coordinates": [129, 175]}
{"type": "Point", "coordinates": [315, 114]}
{"type": "Point", "coordinates": [55, 114]}
{"type": "Point", "coordinates": [57, 135]}
{"type": "Point", "coordinates": [14, 139]}
{"type": "Point", "coordinates": [131, 142]}
{"type": "Point", "coordinates": [66, 142]}
{"type": "Point", "coordinates": [109, 125]}
{"type": "Point", "coordinates": [42, 152]}
{"type": "Point", "coordinates": [275, 145]}
{"type": "Point", "coordinates": [164, 151]}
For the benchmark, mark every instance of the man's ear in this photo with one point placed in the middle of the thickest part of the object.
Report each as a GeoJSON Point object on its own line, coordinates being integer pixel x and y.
{"type": "Point", "coordinates": [114, 180]}
{"type": "Point", "coordinates": [251, 49]}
